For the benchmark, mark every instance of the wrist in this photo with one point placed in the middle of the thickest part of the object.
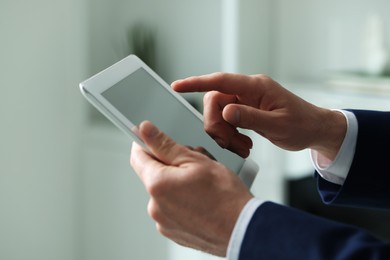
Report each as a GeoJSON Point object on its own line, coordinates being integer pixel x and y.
{"type": "Point", "coordinates": [238, 234]}
{"type": "Point", "coordinates": [232, 221]}
{"type": "Point", "coordinates": [333, 128]}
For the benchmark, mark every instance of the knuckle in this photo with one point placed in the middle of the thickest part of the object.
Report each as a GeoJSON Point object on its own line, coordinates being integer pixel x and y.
{"type": "Point", "coordinates": [209, 97]}
{"type": "Point", "coordinates": [153, 210]}
{"type": "Point", "coordinates": [132, 161]}
{"type": "Point", "coordinates": [164, 231]}
{"type": "Point", "coordinates": [218, 75]}
{"type": "Point", "coordinates": [209, 128]}
{"type": "Point", "coordinates": [156, 188]}
{"type": "Point", "coordinates": [262, 77]}
{"type": "Point", "coordinates": [248, 118]}
{"type": "Point", "coordinates": [160, 185]}
{"type": "Point", "coordinates": [218, 78]}
{"type": "Point", "coordinates": [263, 80]}
{"type": "Point", "coordinates": [153, 181]}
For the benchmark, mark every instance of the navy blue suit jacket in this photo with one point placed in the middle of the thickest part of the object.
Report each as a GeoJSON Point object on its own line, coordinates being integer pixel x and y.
{"type": "Point", "coordinates": [280, 232]}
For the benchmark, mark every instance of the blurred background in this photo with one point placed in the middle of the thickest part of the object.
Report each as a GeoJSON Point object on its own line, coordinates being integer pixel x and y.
{"type": "Point", "coordinates": [67, 190]}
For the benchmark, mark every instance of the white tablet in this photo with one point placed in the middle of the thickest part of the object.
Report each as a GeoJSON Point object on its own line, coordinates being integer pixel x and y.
{"type": "Point", "coordinates": [129, 92]}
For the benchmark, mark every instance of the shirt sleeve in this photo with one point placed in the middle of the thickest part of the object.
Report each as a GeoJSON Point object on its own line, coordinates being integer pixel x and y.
{"type": "Point", "coordinates": [240, 227]}
{"type": "Point", "coordinates": [336, 171]}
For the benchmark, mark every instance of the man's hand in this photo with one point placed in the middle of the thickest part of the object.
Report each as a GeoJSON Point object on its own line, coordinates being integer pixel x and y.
{"type": "Point", "coordinates": [194, 200]}
{"type": "Point", "coordinates": [258, 103]}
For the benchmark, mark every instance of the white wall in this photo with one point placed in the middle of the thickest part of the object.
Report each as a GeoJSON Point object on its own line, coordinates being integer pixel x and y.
{"type": "Point", "coordinates": [312, 38]}
{"type": "Point", "coordinates": [42, 50]}
{"type": "Point", "coordinates": [254, 37]}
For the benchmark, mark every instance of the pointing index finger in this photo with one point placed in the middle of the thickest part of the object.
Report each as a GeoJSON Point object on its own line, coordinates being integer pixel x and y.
{"type": "Point", "coordinates": [227, 83]}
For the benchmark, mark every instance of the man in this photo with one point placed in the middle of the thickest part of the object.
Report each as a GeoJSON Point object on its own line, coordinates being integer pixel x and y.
{"type": "Point", "coordinates": [199, 203]}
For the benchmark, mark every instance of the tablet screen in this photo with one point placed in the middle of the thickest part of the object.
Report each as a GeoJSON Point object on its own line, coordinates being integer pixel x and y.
{"type": "Point", "coordinates": [140, 97]}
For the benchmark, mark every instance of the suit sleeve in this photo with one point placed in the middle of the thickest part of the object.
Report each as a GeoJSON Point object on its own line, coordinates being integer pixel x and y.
{"type": "Point", "coordinates": [280, 232]}
{"type": "Point", "coordinates": [367, 183]}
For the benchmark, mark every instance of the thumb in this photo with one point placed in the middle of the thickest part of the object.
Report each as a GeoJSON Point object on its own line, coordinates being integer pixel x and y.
{"type": "Point", "coordinates": [160, 145]}
{"type": "Point", "coordinates": [248, 117]}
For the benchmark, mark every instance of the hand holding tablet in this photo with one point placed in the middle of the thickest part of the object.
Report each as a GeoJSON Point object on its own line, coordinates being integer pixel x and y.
{"type": "Point", "coordinates": [129, 92]}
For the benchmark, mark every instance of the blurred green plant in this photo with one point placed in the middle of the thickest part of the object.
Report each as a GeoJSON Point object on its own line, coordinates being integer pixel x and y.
{"type": "Point", "coordinates": [142, 41]}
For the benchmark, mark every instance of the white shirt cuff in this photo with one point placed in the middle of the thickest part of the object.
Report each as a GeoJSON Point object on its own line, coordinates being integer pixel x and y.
{"type": "Point", "coordinates": [237, 237]}
{"type": "Point", "coordinates": [336, 171]}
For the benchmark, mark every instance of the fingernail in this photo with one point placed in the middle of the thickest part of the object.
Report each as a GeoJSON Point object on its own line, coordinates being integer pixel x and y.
{"type": "Point", "coordinates": [175, 82]}
{"type": "Point", "coordinates": [220, 142]}
{"type": "Point", "coordinates": [243, 152]}
{"type": "Point", "coordinates": [150, 130]}
{"type": "Point", "coordinates": [237, 115]}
